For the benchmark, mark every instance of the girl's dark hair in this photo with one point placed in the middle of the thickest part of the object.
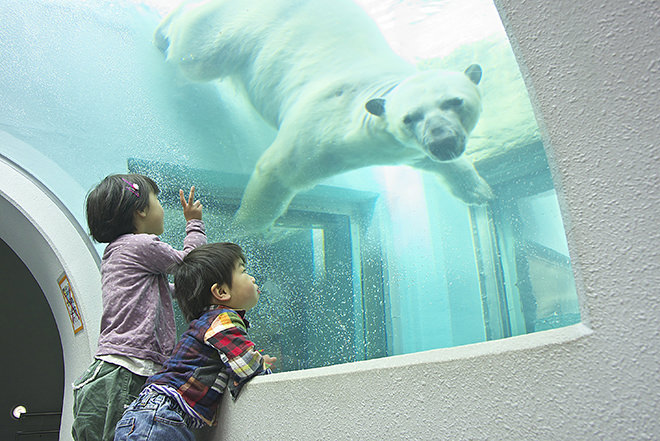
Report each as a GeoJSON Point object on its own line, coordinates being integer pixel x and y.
{"type": "Point", "coordinates": [112, 204]}
{"type": "Point", "coordinates": [202, 268]}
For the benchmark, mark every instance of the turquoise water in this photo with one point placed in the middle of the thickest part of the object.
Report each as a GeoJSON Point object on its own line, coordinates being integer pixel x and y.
{"type": "Point", "coordinates": [376, 262]}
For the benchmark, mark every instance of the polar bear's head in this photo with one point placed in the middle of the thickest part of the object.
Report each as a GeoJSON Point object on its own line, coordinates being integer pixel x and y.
{"type": "Point", "coordinates": [434, 111]}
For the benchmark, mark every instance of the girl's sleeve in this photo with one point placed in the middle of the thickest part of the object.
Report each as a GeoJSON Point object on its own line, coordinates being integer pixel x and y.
{"type": "Point", "coordinates": [228, 335]}
{"type": "Point", "coordinates": [160, 256]}
{"type": "Point", "coordinates": [195, 235]}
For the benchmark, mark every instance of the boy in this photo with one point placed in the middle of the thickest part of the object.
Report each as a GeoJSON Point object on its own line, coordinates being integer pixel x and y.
{"type": "Point", "coordinates": [213, 291]}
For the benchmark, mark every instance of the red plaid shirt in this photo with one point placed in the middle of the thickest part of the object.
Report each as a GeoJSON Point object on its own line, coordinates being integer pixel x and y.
{"type": "Point", "coordinates": [214, 352]}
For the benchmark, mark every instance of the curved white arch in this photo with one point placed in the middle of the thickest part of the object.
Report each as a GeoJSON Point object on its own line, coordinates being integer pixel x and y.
{"type": "Point", "coordinates": [49, 241]}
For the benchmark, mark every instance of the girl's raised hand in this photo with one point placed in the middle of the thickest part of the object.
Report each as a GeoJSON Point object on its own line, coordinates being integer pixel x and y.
{"type": "Point", "coordinates": [192, 209]}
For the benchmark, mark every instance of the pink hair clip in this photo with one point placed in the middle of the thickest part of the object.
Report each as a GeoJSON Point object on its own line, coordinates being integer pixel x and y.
{"type": "Point", "coordinates": [132, 187]}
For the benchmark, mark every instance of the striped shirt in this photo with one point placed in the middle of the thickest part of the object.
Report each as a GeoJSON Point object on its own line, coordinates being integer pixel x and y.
{"type": "Point", "coordinates": [213, 354]}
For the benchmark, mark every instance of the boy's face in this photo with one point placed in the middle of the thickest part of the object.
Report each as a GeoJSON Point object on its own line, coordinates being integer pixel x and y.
{"type": "Point", "coordinates": [244, 292]}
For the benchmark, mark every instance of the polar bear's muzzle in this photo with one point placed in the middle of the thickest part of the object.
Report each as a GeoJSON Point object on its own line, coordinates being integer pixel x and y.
{"type": "Point", "coordinates": [442, 142]}
{"type": "Point", "coordinates": [445, 149]}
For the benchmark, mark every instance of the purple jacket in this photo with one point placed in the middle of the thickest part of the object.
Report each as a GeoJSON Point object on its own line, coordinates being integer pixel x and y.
{"type": "Point", "coordinates": [138, 319]}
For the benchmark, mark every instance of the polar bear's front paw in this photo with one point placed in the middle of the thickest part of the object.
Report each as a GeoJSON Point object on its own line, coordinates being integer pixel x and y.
{"type": "Point", "coordinates": [464, 181]}
{"type": "Point", "coordinates": [471, 189]}
{"type": "Point", "coordinates": [480, 193]}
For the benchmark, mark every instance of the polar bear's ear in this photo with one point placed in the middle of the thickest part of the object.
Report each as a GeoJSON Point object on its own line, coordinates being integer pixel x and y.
{"type": "Point", "coordinates": [474, 73]}
{"type": "Point", "coordinates": [376, 106]}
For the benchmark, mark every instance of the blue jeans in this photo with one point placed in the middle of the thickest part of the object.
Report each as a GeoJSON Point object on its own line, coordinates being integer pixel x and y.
{"type": "Point", "coordinates": [153, 416]}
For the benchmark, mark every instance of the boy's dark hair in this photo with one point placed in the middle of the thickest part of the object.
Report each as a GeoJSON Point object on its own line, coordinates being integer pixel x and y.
{"type": "Point", "coordinates": [202, 268]}
{"type": "Point", "coordinates": [113, 202]}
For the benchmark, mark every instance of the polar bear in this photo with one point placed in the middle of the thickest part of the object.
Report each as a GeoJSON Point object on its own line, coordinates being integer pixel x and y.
{"type": "Point", "coordinates": [321, 72]}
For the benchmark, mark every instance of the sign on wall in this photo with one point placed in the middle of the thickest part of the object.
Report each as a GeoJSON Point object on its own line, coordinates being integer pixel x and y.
{"type": "Point", "coordinates": [71, 304]}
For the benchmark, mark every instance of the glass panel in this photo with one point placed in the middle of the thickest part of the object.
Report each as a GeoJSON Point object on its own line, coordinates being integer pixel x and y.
{"type": "Point", "coordinates": [370, 262]}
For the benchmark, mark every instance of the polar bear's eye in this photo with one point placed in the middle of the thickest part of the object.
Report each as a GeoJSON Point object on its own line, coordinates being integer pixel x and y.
{"type": "Point", "coordinates": [412, 118]}
{"type": "Point", "coordinates": [453, 103]}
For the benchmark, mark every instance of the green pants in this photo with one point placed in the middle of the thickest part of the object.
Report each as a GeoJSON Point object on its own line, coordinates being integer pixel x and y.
{"type": "Point", "coordinates": [99, 399]}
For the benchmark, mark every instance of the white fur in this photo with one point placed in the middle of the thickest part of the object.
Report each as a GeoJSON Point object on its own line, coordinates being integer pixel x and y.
{"type": "Point", "coordinates": [310, 67]}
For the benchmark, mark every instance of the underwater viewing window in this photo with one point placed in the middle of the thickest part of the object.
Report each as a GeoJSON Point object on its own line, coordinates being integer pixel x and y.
{"type": "Point", "coordinates": [369, 261]}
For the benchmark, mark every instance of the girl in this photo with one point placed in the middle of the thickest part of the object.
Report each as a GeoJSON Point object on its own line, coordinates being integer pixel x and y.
{"type": "Point", "coordinates": [137, 326]}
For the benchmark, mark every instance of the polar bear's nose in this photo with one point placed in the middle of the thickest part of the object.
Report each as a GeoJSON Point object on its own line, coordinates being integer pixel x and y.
{"type": "Point", "coordinates": [443, 141]}
{"type": "Point", "coordinates": [438, 131]}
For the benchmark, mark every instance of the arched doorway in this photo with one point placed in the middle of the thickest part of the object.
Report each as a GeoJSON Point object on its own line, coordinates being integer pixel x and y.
{"type": "Point", "coordinates": [41, 237]}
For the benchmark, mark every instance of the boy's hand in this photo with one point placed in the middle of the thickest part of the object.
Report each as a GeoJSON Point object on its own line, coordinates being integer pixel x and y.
{"type": "Point", "coordinates": [269, 361]}
{"type": "Point", "coordinates": [191, 209]}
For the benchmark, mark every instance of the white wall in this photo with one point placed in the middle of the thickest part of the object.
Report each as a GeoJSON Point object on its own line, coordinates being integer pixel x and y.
{"type": "Point", "coordinates": [593, 68]}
